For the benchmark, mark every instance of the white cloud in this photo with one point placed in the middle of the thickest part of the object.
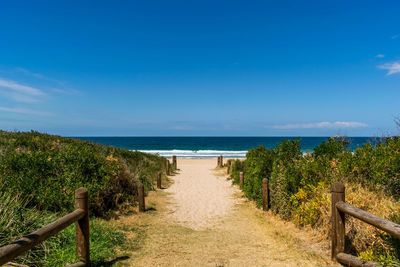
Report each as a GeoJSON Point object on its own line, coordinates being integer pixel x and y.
{"type": "Point", "coordinates": [27, 72]}
{"type": "Point", "coordinates": [52, 85]}
{"type": "Point", "coordinates": [66, 91]}
{"type": "Point", "coordinates": [39, 76]}
{"type": "Point", "coordinates": [25, 111]}
{"type": "Point", "coordinates": [391, 67]}
{"type": "Point", "coordinates": [23, 89]}
{"type": "Point", "coordinates": [322, 125]}
{"type": "Point", "coordinates": [22, 98]}
{"type": "Point", "coordinates": [380, 56]}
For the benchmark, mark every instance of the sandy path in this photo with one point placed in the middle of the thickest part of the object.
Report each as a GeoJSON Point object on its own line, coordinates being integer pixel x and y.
{"type": "Point", "coordinates": [201, 220]}
{"type": "Point", "coordinates": [200, 198]}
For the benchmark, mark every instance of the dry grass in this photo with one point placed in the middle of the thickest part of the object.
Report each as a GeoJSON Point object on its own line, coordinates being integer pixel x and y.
{"type": "Point", "coordinates": [362, 235]}
{"type": "Point", "coordinates": [359, 235]}
{"type": "Point", "coordinates": [246, 237]}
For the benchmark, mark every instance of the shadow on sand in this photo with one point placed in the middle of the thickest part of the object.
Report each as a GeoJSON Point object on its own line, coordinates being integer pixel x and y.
{"type": "Point", "coordinates": [111, 262]}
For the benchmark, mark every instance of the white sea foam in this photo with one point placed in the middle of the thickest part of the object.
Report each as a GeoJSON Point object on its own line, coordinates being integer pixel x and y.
{"type": "Point", "coordinates": [193, 154]}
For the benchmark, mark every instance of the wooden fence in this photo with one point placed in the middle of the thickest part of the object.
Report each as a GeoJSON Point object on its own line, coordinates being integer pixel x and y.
{"type": "Point", "coordinates": [80, 215]}
{"type": "Point", "coordinates": [339, 209]}
{"type": "Point", "coordinates": [174, 162]}
{"type": "Point", "coordinates": [220, 162]}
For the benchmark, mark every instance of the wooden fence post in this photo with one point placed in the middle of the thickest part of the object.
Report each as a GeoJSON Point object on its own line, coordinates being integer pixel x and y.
{"type": "Point", "coordinates": [241, 182]}
{"type": "Point", "coordinates": [159, 180]}
{"type": "Point", "coordinates": [174, 162]}
{"type": "Point", "coordinates": [167, 167]}
{"type": "Point", "coordinates": [142, 207]}
{"type": "Point", "coordinates": [82, 227]}
{"type": "Point", "coordinates": [221, 162]}
{"type": "Point", "coordinates": [265, 194]}
{"type": "Point", "coordinates": [228, 166]}
{"type": "Point", "coordinates": [338, 220]}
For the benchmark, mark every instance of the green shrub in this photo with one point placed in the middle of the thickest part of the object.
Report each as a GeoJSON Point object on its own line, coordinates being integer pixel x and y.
{"type": "Point", "coordinates": [378, 166]}
{"type": "Point", "coordinates": [48, 169]}
{"type": "Point", "coordinates": [332, 148]}
{"type": "Point", "coordinates": [299, 184]}
{"type": "Point", "coordinates": [236, 167]}
{"type": "Point", "coordinates": [308, 203]}
{"type": "Point", "coordinates": [279, 196]}
{"type": "Point", "coordinates": [286, 177]}
{"type": "Point", "coordinates": [39, 174]}
{"type": "Point", "coordinates": [258, 166]}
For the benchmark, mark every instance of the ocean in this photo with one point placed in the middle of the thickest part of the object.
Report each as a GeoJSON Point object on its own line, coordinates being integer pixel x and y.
{"type": "Point", "coordinates": [210, 147]}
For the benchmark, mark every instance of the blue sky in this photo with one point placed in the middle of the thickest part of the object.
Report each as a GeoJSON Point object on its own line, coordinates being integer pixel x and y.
{"type": "Point", "coordinates": [235, 68]}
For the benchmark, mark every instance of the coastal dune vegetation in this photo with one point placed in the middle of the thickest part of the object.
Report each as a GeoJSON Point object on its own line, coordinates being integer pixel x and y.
{"type": "Point", "coordinates": [38, 176]}
{"type": "Point", "coordinates": [300, 188]}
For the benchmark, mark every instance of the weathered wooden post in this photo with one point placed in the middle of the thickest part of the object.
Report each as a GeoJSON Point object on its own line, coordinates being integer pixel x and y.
{"type": "Point", "coordinates": [174, 162]}
{"type": "Point", "coordinates": [159, 180]}
{"type": "Point", "coordinates": [82, 227]}
{"type": "Point", "coordinates": [142, 207]}
{"type": "Point", "coordinates": [221, 162]}
{"type": "Point", "coordinates": [265, 194]}
{"type": "Point", "coordinates": [338, 220]}
{"type": "Point", "coordinates": [167, 167]}
{"type": "Point", "coordinates": [241, 182]}
{"type": "Point", "coordinates": [228, 166]}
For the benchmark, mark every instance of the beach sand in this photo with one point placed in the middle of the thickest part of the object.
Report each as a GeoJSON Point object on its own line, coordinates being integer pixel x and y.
{"type": "Point", "coordinates": [200, 198]}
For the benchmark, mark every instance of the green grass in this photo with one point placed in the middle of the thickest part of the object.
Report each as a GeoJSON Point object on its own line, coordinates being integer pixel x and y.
{"type": "Point", "coordinates": [16, 220]}
{"type": "Point", "coordinates": [39, 174]}
{"type": "Point", "coordinates": [103, 240]}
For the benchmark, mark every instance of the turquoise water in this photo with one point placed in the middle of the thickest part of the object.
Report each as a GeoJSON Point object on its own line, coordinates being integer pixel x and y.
{"type": "Point", "coordinates": [210, 147]}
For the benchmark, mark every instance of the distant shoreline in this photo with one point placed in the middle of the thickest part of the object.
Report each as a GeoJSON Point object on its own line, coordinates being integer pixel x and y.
{"type": "Point", "coordinates": [211, 147]}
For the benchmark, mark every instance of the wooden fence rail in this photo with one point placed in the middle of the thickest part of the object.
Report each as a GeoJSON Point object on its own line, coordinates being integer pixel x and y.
{"type": "Point", "coordinates": [339, 209]}
{"type": "Point", "coordinates": [80, 215]}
